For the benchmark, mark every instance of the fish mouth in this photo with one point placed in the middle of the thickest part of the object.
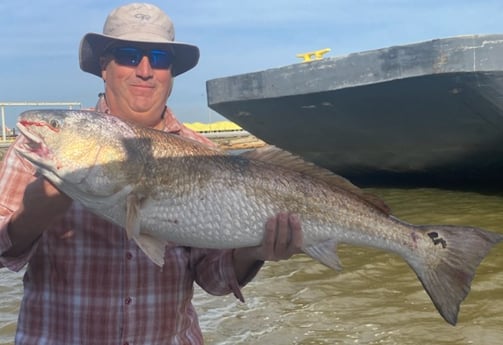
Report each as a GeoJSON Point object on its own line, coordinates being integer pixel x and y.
{"type": "Point", "coordinates": [34, 145]}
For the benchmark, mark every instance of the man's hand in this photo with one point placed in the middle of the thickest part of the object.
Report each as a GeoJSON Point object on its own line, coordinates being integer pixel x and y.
{"type": "Point", "coordinates": [42, 204]}
{"type": "Point", "coordinates": [282, 238]}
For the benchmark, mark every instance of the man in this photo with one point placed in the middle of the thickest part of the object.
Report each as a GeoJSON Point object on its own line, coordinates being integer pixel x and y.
{"type": "Point", "coordinates": [85, 282]}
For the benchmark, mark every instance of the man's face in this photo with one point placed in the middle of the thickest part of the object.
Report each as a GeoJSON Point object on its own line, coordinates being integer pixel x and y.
{"type": "Point", "coordinates": [137, 93]}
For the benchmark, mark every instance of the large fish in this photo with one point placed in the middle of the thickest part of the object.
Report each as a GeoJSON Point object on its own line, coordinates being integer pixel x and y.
{"type": "Point", "coordinates": [161, 187]}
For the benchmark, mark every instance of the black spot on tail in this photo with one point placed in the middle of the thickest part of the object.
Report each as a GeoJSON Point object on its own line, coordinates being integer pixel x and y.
{"type": "Point", "coordinates": [436, 240]}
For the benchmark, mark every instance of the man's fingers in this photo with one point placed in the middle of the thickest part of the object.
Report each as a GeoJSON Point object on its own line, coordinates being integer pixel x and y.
{"type": "Point", "coordinates": [269, 238]}
{"type": "Point", "coordinates": [282, 234]}
{"type": "Point", "coordinates": [297, 236]}
{"type": "Point", "coordinates": [283, 237]}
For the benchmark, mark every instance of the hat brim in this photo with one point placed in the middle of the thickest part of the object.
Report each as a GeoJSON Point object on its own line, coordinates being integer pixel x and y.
{"type": "Point", "coordinates": [94, 45]}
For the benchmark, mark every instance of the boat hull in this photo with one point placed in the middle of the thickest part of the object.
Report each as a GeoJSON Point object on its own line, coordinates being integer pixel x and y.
{"type": "Point", "coordinates": [431, 110]}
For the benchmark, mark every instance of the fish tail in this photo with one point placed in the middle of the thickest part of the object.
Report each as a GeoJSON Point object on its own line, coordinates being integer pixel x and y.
{"type": "Point", "coordinates": [447, 271]}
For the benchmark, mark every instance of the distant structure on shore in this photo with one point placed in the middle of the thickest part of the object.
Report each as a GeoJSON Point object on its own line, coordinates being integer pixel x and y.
{"type": "Point", "coordinates": [10, 132]}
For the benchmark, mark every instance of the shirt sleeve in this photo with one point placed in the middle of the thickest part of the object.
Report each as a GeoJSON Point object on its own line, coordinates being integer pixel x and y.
{"type": "Point", "coordinates": [214, 272]}
{"type": "Point", "coordinates": [15, 174]}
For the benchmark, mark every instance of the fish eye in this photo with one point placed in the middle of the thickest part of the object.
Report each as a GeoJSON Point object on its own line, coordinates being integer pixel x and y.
{"type": "Point", "coordinates": [55, 123]}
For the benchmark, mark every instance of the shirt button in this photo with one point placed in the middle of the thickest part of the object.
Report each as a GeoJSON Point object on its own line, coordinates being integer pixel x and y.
{"type": "Point", "coordinates": [128, 300]}
{"type": "Point", "coordinates": [129, 256]}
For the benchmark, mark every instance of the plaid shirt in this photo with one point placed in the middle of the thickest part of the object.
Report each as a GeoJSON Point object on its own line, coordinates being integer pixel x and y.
{"type": "Point", "coordinates": [86, 283]}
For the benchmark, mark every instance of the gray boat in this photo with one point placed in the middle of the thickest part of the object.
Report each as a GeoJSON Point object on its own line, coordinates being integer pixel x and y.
{"type": "Point", "coordinates": [429, 111]}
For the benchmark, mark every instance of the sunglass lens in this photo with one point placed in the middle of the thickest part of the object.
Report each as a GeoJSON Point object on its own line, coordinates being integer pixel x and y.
{"type": "Point", "coordinates": [160, 59]}
{"type": "Point", "coordinates": [128, 56]}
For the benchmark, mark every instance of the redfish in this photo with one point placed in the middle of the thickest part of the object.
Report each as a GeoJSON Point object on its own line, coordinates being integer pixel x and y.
{"type": "Point", "coordinates": [165, 188]}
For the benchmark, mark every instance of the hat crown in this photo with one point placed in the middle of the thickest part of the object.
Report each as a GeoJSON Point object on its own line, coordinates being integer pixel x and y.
{"type": "Point", "coordinates": [140, 22]}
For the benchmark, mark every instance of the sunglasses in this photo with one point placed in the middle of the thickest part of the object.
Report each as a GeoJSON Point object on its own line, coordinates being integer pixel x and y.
{"type": "Point", "coordinates": [130, 56]}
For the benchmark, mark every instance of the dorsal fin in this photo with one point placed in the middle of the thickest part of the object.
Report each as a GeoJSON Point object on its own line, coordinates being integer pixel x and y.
{"type": "Point", "coordinates": [273, 155]}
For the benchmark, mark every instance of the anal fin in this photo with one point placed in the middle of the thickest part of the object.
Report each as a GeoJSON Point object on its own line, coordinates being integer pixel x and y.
{"type": "Point", "coordinates": [325, 252]}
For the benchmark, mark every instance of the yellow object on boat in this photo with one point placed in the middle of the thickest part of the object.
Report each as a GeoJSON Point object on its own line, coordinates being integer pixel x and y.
{"type": "Point", "coordinates": [314, 55]}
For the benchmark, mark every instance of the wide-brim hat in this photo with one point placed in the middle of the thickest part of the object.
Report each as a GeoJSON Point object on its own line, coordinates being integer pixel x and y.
{"type": "Point", "coordinates": [140, 25]}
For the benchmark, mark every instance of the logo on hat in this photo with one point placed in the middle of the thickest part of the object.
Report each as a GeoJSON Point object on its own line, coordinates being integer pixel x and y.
{"type": "Point", "coordinates": [142, 17]}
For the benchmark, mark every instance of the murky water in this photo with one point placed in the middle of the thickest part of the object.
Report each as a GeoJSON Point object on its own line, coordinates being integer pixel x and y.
{"type": "Point", "coordinates": [376, 299]}
{"type": "Point", "coordinates": [10, 297]}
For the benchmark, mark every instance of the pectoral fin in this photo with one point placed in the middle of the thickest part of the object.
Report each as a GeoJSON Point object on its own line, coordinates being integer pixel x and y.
{"type": "Point", "coordinates": [325, 253]}
{"type": "Point", "coordinates": [151, 246]}
{"type": "Point", "coordinates": [133, 204]}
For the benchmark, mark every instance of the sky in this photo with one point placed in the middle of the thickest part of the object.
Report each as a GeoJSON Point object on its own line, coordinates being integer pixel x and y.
{"type": "Point", "coordinates": [39, 40]}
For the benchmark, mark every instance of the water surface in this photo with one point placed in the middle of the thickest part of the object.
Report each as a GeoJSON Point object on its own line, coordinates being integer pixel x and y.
{"type": "Point", "coordinates": [376, 299]}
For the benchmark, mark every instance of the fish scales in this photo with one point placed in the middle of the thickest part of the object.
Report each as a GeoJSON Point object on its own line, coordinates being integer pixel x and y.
{"type": "Point", "coordinates": [223, 186]}
{"type": "Point", "coordinates": [194, 178]}
{"type": "Point", "coordinates": [164, 188]}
